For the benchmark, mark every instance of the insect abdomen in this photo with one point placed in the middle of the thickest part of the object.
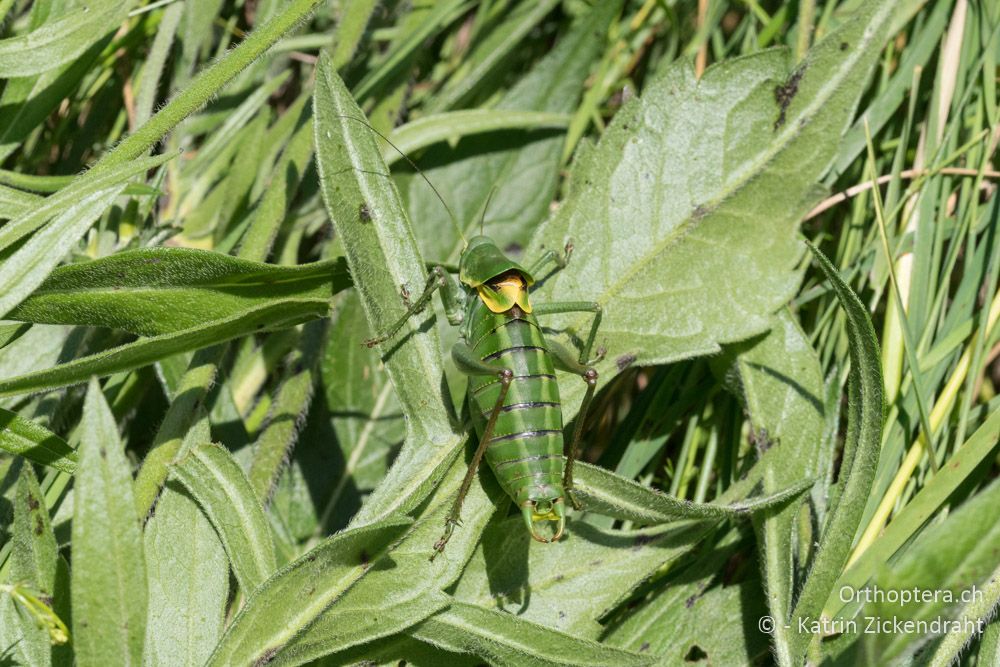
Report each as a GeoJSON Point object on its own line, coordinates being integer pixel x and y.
{"type": "Point", "coordinates": [527, 444]}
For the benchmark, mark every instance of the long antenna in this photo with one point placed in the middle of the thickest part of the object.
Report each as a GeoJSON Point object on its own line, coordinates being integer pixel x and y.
{"type": "Point", "coordinates": [454, 220]}
{"type": "Point", "coordinates": [486, 205]}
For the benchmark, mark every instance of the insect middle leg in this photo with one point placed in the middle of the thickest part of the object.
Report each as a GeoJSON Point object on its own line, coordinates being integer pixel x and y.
{"type": "Point", "coordinates": [451, 296]}
{"type": "Point", "coordinates": [565, 361]}
{"type": "Point", "coordinates": [469, 364]}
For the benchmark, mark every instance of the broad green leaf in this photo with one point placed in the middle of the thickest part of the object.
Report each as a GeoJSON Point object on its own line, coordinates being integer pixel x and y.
{"type": "Point", "coordinates": [156, 291]}
{"type": "Point", "coordinates": [519, 169]}
{"type": "Point", "coordinates": [24, 437]}
{"type": "Point", "coordinates": [188, 580]}
{"type": "Point", "coordinates": [700, 615]}
{"type": "Point", "coordinates": [402, 583]}
{"type": "Point", "coordinates": [572, 584]}
{"type": "Point", "coordinates": [607, 493]}
{"type": "Point", "coordinates": [505, 639]}
{"type": "Point", "coordinates": [61, 40]}
{"type": "Point", "coordinates": [109, 569]}
{"type": "Point", "coordinates": [296, 595]}
{"type": "Point", "coordinates": [864, 434]}
{"type": "Point", "coordinates": [685, 215]}
{"type": "Point", "coordinates": [144, 352]}
{"type": "Point", "coordinates": [452, 125]}
{"type": "Point", "coordinates": [381, 252]}
{"type": "Point", "coordinates": [780, 382]}
{"type": "Point", "coordinates": [217, 482]}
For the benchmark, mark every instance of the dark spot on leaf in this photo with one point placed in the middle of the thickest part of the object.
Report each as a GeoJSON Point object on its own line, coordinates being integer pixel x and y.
{"type": "Point", "coordinates": [32, 502]}
{"type": "Point", "coordinates": [104, 453]}
{"type": "Point", "coordinates": [625, 361]}
{"type": "Point", "coordinates": [311, 557]}
{"type": "Point", "coordinates": [560, 577]}
{"type": "Point", "coordinates": [641, 541]}
{"type": "Point", "coordinates": [695, 654]}
{"type": "Point", "coordinates": [364, 213]}
{"type": "Point", "coordinates": [562, 615]}
{"type": "Point", "coordinates": [690, 601]}
{"type": "Point", "coordinates": [310, 591]}
{"type": "Point", "coordinates": [364, 557]}
{"type": "Point", "coordinates": [699, 212]}
{"type": "Point", "coordinates": [596, 563]}
{"type": "Point", "coordinates": [844, 46]}
{"type": "Point", "coordinates": [39, 525]}
{"type": "Point", "coordinates": [267, 656]}
{"type": "Point", "coordinates": [513, 248]}
{"type": "Point", "coordinates": [644, 647]}
{"type": "Point", "coordinates": [783, 95]}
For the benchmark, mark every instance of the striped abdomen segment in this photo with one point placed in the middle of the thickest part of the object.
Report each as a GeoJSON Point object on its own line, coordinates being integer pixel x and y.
{"type": "Point", "coordinates": [526, 447]}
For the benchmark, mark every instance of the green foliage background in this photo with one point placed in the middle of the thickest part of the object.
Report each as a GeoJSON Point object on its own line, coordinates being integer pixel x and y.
{"type": "Point", "coordinates": [200, 463]}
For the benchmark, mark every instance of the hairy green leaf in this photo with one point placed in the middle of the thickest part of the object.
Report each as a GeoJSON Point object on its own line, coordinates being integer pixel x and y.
{"type": "Point", "coordinates": [864, 433]}
{"type": "Point", "coordinates": [271, 317]}
{"type": "Point", "coordinates": [781, 383]}
{"type": "Point", "coordinates": [219, 485]}
{"type": "Point", "coordinates": [109, 568]}
{"type": "Point", "coordinates": [296, 595]}
{"type": "Point", "coordinates": [156, 291]}
{"type": "Point", "coordinates": [604, 492]}
{"type": "Point", "coordinates": [34, 442]}
{"type": "Point", "coordinates": [382, 254]}
{"type": "Point", "coordinates": [61, 40]}
{"type": "Point", "coordinates": [505, 639]}
{"type": "Point", "coordinates": [685, 223]}
{"type": "Point", "coordinates": [188, 580]}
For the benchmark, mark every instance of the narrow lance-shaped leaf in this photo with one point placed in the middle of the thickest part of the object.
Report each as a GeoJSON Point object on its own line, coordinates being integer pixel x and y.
{"type": "Point", "coordinates": [604, 492]}
{"type": "Point", "coordinates": [405, 569]}
{"type": "Point", "coordinates": [161, 290]}
{"type": "Point", "coordinates": [144, 352]}
{"type": "Point", "coordinates": [109, 570]}
{"type": "Point", "coordinates": [61, 40]}
{"type": "Point", "coordinates": [219, 485]}
{"type": "Point", "coordinates": [188, 578]}
{"type": "Point", "coordinates": [382, 254]}
{"type": "Point", "coordinates": [864, 433]}
{"type": "Point", "coordinates": [295, 595]}
{"type": "Point", "coordinates": [34, 442]}
{"type": "Point", "coordinates": [684, 217]}
{"type": "Point", "coordinates": [26, 618]}
{"type": "Point", "coordinates": [504, 639]}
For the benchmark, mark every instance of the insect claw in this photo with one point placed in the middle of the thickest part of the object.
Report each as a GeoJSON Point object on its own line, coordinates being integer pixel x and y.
{"type": "Point", "coordinates": [573, 500]}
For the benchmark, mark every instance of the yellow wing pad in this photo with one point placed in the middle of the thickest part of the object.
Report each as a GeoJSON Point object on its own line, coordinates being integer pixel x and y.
{"type": "Point", "coordinates": [502, 295]}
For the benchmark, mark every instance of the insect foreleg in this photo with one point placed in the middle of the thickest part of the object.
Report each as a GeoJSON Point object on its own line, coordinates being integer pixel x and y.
{"type": "Point", "coordinates": [551, 257]}
{"type": "Point", "coordinates": [563, 359]}
{"type": "Point", "coordinates": [467, 362]}
{"type": "Point", "coordinates": [451, 296]}
{"type": "Point", "coordinates": [577, 307]}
